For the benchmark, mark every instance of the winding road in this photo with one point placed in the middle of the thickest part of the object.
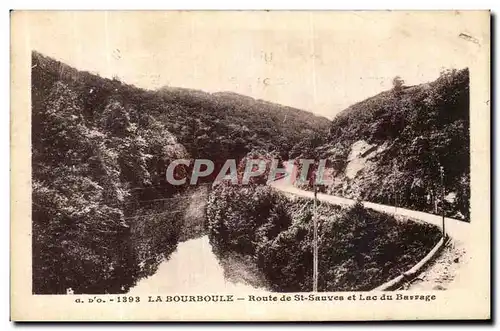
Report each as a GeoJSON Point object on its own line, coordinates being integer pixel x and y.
{"type": "Point", "coordinates": [448, 270]}
{"type": "Point", "coordinates": [458, 230]}
{"type": "Point", "coordinates": [194, 268]}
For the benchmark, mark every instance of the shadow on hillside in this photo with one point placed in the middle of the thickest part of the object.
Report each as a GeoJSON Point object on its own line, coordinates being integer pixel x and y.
{"type": "Point", "coordinates": [242, 269]}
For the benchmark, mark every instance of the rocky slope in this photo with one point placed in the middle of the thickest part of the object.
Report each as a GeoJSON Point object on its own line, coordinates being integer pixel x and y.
{"type": "Point", "coordinates": [390, 148]}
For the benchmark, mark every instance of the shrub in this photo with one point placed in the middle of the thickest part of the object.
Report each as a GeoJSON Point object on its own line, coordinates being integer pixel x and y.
{"type": "Point", "coordinates": [239, 216]}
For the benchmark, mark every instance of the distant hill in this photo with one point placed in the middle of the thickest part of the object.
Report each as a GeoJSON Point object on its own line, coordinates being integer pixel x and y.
{"type": "Point", "coordinates": [389, 148]}
{"type": "Point", "coordinates": [228, 125]}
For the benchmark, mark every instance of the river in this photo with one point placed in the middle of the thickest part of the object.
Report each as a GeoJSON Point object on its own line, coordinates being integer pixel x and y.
{"type": "Point", "coordinates": [192, 268]}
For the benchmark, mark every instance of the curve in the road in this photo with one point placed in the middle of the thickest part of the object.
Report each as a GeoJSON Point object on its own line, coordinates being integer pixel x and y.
{"type": "Point", "coordinates": [456, 230]}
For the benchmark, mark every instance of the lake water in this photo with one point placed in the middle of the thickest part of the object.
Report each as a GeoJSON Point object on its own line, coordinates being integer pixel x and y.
{"type": "Point", "coordinates": [192, 268]}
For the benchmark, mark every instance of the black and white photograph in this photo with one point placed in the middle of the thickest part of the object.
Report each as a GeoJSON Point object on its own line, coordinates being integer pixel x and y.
{"type": "Point", "coordinates": [254, 156]}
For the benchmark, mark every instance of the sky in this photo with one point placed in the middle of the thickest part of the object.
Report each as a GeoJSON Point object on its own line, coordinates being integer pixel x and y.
{"type": "Point", "coordinates": [317, 61]}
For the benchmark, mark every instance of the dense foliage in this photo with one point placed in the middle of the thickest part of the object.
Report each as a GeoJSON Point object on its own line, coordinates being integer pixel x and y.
{"type": "Point", "coordinates": [96, 168]}
{"type": "Point", "coordinates": [409, 133]}
{"type": "Point", "coordinates": [214, 126]}
{"type": "Point", "coordinates": [228, 125]}
{"type": "Point", "coordinates": [359, 249]}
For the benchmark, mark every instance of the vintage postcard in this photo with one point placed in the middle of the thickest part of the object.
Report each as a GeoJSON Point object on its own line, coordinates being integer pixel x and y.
{"type": "Point", "coordinates": [250, 165]}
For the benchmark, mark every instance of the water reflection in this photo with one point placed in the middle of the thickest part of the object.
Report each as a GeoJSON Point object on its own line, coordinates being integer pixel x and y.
{"type": "Point", "coordinates": [194, 268]}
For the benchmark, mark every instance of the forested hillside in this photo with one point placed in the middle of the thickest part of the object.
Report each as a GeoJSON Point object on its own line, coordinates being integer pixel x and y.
{"type": "Point", "coordinates": [95, 171]}
{"type": "Point", "coordinates": [225, 125]}
{"type": "Point", "coordinates": [389, 148]}
{"type": "Point", "coordinates": [210, 125]}
{"type": "Point", "coordinates": [103, 214]}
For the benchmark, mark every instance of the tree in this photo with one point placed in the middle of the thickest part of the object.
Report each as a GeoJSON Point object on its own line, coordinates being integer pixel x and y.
{"type": "Point", "coordinates": [397, 84]}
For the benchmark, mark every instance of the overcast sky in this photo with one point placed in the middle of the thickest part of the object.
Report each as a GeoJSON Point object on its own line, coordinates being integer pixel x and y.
{"type": "Point", "coordinates": [320, 61]}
